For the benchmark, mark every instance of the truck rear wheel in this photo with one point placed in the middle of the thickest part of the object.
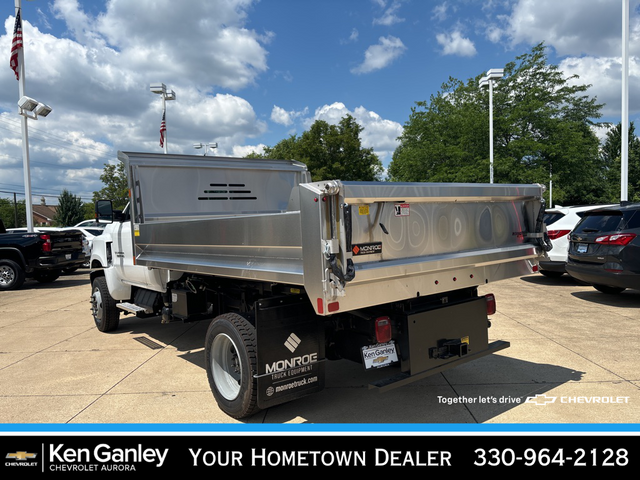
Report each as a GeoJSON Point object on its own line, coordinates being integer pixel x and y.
{"type": "Point", "coordinates": [11, 275]}
{"type": "Point", "coordinates": [231, 360]}
{"type": "Point", "coordinates": [103, 306]}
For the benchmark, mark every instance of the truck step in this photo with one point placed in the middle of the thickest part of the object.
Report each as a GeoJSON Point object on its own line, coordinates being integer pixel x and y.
{"type": "Point", "coordinates": [132, 308]}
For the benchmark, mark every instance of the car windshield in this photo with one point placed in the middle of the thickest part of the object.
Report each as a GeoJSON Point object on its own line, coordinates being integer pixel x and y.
{"type": "Point", "coordinates": [613, 221]}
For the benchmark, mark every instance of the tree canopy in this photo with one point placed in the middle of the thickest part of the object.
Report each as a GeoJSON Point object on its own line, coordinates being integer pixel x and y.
{"type": "Point", "coordinates": [611, 159]}
{"type": "Point", "coordinates": [542, 126]}
{"type": "Point", "coordinates": [116, 187]}
{"type": "Point", "coordinates": [70, 210]}
{"type": "Point", "coordinates": [330, 151]}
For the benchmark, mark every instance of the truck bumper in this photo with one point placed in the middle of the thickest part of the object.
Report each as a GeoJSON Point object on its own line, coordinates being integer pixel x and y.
{"type": "Point", "coordinates": [406, 378]}
{"type": "Point", "coordinates": [57, 262]}
{"type": "Point", "coordinates": [440, 339]}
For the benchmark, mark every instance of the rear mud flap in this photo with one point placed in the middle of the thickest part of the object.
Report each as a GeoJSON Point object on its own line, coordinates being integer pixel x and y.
{"type": "Point", "coordinates": [291, 357]}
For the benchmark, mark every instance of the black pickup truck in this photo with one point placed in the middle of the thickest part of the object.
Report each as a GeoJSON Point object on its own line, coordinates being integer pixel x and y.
{"type": "Point", "coordinates": [41, 255]}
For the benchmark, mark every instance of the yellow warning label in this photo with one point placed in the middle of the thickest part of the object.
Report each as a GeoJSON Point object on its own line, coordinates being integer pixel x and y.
{"type": "Point", "coordinates": [363, 209]}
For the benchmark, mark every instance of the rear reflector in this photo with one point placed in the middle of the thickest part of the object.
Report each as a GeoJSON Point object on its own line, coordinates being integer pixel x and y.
{"type": "Point", "coordinates": [491, 303]}
{"type": "Point", "coordinates": [383, 329]}
{"type": "Point", "coordinates": [553, 234]}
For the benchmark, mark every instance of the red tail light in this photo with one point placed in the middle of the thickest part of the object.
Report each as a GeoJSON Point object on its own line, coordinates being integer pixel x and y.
{"type": "Point", "coordinates": [47, 247]}
{"type": "Point", "coordinates": [553, 234]}
{"type": "Point", "coordinates": [383, 329]}
{"type": "Point", "coordinates": [617, 239]}
{"type": "Point", "coordinates": [491, 303]}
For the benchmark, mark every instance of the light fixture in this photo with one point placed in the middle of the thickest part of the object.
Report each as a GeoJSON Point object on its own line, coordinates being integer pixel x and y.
{"type": "Point", "coordinates": [27, 104]}
{"type": "Point", "coordinates": [206, 146]}
{"type": "Point", "coordinates": [33, 109]}
{"type": "Point", "coordinates": [42, 110]}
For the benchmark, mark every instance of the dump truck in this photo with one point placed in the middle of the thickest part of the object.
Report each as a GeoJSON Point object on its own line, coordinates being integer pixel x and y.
{"type": "Point", "coordinates": [292, 273]}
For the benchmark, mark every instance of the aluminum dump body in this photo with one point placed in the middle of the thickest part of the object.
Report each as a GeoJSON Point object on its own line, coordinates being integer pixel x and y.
{"type": "Point", "coordinates": [350, 245]}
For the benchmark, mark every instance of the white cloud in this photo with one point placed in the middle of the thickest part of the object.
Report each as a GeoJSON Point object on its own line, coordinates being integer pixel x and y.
{"type": "Point", "coordinates": [455, 44]}
{"type": "Point", "coordinates": [379, 133]}
{"type": "Point", "coordinates": [571, 27]}
{"type": "Point", "coordinates": [389, 16]}
{"type": "Point", "coordinates": [380, 55]}
{"type": "Point", "coordinates": [283, 117]}
{"type": "Point", "coordinates": [244, 150]}
{"type": "Point", "coordinates": [440, 12]}
{"type": "Point", "coordinates": [605, 76]}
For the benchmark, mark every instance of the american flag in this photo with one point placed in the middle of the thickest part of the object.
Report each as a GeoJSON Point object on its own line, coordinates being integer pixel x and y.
{"type": "Point", "coordinates": [16, 45]}
{"type": "Point", "coordinates": [163, 129]}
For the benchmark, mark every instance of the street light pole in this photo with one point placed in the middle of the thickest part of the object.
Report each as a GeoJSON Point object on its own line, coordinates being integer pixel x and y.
{"type": "Point", "coordinates": [624, 126]}
{"type": "Point", "coordinates": [493, 74]}
{"type": "Point", "coordinates": [27, 108]}
{"type": "Point", "coordinates": [161, 89]}
{"type": "Point", "coordinates": [25, 132]}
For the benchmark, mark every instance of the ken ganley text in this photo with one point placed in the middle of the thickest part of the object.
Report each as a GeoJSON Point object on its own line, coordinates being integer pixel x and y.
{"type": "Point", "coordinates": [319, 458]}
{"type": "Point", "coordinates": [104, 457]}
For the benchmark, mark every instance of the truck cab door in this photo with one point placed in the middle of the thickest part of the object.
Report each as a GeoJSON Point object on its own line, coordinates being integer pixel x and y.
{"type": "Point", "coordinates": [123, 253]}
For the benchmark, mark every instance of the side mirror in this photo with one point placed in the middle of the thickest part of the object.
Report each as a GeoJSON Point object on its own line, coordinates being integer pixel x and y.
{"type": "Point", "coordinates": [104, 211]}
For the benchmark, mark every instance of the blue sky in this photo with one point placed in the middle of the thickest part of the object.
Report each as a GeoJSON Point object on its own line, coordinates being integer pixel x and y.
{"type": "Point", "coordinates": [249, 73]}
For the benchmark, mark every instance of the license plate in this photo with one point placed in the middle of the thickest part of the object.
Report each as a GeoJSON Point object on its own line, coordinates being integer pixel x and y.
{"type": "Point", "coordinates": [380, 355]}
{"type": "Point", "coordinates": [582, 247]}
{"type": "Point", "coordinates": [68, 256]}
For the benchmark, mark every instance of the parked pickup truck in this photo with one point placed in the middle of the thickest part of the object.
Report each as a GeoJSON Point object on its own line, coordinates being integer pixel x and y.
{"type": "Point", "coordinates": [292, 273]}
{"type": "Point", "coordinates": [40, 255]}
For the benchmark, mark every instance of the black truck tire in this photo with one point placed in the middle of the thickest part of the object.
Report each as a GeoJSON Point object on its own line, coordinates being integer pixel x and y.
{"type": "Point", "coordinates": [103, 306]}
{"type": "Point", "coordinates": [11, 275]}
{"type": "Point", "coordinates": [231, 361]}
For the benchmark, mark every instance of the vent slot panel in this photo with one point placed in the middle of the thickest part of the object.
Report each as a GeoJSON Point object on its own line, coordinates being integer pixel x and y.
{"type": "Point", "coordinates": [227, 191]}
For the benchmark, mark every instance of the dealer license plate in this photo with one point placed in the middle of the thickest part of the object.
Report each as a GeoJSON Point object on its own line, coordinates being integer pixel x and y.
{"type": "Point", "coordinates": [582, 247]}
{"type": "Point", "coordinates": [380, 355]}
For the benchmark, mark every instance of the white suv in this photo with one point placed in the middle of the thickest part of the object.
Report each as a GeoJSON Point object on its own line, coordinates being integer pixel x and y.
{"type": "Point", "coordinates": [560, 222]}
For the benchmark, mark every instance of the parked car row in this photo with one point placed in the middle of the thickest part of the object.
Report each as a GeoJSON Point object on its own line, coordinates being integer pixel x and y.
{"type": "Point", "coordinates": [598, 245]}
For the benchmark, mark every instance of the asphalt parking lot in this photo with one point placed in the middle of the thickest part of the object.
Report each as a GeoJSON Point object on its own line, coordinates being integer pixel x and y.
{"type": "Point", "coordinates": [573, 349]}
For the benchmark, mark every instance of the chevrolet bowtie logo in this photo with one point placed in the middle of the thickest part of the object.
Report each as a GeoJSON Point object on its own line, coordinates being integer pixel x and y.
{"type": "Point", "coordinates": [21, 455]}
{"type": "Point", "coordinates": [540, 399]}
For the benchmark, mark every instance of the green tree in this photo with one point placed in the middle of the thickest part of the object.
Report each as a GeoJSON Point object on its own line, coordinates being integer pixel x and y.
{"type": "Point", "coordinates": [116, 187]}
{"type": "Point", "coordinates": [330, 151]}
{"type": "Point", "coordinates": [542, 125]}
{"type": "Point", "coordinates": [8, 211]}
{"type": "Point", "coordinates": [70, 209]}
{"type": "Point", "coordinates": [611, 158]}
